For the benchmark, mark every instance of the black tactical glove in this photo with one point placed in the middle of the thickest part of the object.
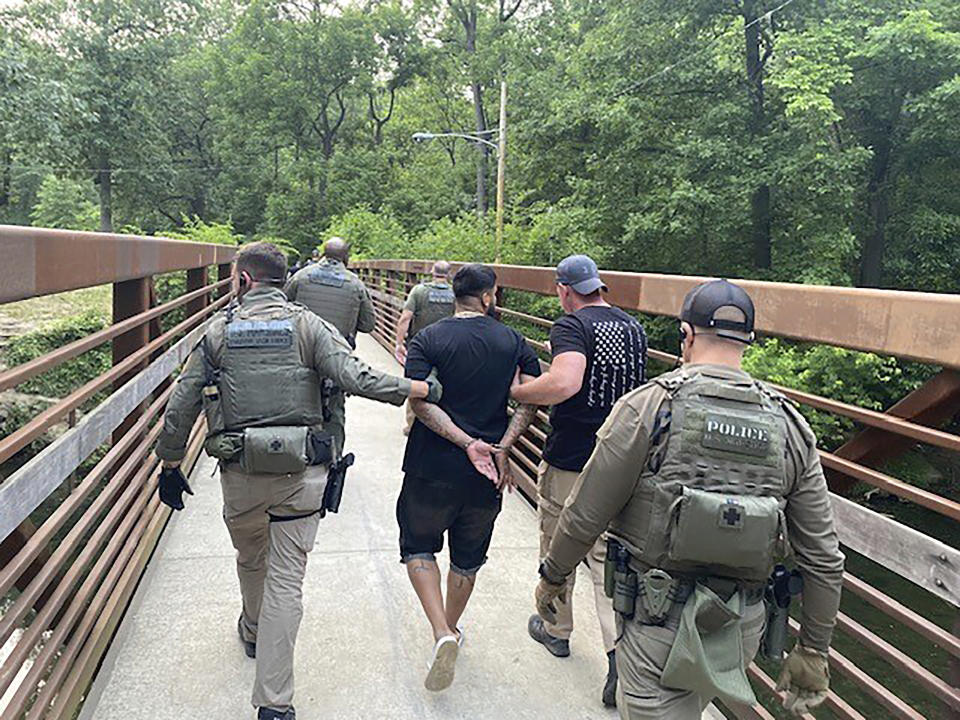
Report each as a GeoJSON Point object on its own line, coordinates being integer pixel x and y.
{"type": "Point", "coordinates": [172, 486]}
{"type": "Point", "coordinates": [435, 389]}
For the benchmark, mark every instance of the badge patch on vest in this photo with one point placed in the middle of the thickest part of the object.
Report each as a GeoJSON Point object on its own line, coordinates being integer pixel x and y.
{"type": "Point", "coordinates": [437, 295]}
{"type": "Point", "coordinates": [325, 276]}
{"type": "Point", "coordinates": [736, 435]}
{"type": "Point", "coordinates": [259, 334]}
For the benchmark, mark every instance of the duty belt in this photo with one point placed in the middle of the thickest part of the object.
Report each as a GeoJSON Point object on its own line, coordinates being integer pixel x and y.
{"type": "Point", "coordinates": [675, 596]}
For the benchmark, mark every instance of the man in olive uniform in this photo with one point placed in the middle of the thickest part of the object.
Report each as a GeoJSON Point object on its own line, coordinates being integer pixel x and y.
{"type": "Point", "coordinates": [426, 303]}
{"type": "Point", "coordinates": [257, 375]}
{"type": "Point", "coordinates": [698, 477]}
{"type": "Point", "coordinates": [338, 296]}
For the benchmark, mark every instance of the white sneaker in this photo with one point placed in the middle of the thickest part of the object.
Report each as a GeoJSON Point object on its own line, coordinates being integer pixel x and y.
{"type": "Point", "coordinates": [440, 675]}
{"type": "Point", "coordinates": [460, 635]}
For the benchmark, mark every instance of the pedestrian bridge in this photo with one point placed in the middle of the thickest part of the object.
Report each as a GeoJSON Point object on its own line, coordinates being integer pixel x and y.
{"type": "Point", "coordinates": [111, 608]}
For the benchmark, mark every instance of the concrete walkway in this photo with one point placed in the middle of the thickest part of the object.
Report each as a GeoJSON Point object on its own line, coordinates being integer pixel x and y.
{"type": "Point", "coordinates": [364, 642]}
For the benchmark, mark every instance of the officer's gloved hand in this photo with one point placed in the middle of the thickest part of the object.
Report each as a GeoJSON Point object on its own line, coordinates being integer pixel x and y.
{"type": "Point", "coordinates": [172, 486]}
{"type": "Point", "coordinates": [435, 391]}
{"type": "Point", "coordinates": [805, 677]}
{"type": "Point", "coordinates": [546, 595]}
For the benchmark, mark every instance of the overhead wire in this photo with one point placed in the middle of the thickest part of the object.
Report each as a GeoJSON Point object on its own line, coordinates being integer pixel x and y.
{"type": "Point", "coordinates": [663, 71]}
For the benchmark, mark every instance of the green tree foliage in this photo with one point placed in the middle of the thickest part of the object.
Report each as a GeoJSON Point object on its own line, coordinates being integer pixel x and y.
{"type": "Point", "coordinates": [66, 204]}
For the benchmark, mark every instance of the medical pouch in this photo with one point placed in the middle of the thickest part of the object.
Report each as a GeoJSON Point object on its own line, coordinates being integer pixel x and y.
{"type": "Point", "coordinates": [274, 450]}
{"type": "Point", "coordinates": [225, 446]}
{"type": "Point", "coordinates": [735, 531]}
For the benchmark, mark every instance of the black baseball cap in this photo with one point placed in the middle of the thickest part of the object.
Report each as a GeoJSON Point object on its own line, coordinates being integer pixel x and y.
{"type": "Point", "coordinates": [580, 273]}
{"type": "Point", "coordinates": [721, 306]}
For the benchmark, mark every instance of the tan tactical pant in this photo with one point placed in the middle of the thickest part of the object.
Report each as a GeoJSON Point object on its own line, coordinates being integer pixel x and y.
{"type": "Point", "coordinates": [641, 656]}
{"type": "Point", "coordinates": [553, 488]}
{"type": "Point", "coordinates": [271, 563]}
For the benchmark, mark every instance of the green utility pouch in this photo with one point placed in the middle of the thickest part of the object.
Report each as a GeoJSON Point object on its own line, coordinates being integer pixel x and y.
{"type": "Point", "coordinates": [212, 409]}
{"type": "Point", "coordinates": [610, 567]}
{"type": "Point", "coordinates": [225, 446]}
{"type": "Point", "coordinates": [707, 654]}
{"type": "Point", "coordinates": [625, 592]}
{"type": "Point", "coordinates": [274, 450]}
{"type": "Point", "coordinates": [735, 531]}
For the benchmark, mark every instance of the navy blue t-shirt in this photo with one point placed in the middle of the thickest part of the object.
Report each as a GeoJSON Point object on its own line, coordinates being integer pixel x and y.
{"type": "Point", "coordinates": [476, 358]}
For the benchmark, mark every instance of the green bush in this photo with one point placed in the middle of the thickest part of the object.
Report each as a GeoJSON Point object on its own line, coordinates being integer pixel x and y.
{"type": "Point", "coordinates": [66, 204]}
{"type": "Point", "coordinates": [863, 379]}
{"type": "Point", "coordinates": [61, 380]}
{"type": "Point", "coordinates": [196, 230]}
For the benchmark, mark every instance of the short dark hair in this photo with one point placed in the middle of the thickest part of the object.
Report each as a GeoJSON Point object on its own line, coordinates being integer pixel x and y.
{"type": "Point", "coordinates": [264, 261]}
{"type": "Point", "coordinates": [473, 280]}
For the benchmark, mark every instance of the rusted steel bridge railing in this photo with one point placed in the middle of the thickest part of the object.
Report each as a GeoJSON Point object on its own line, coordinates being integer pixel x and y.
{"type": "Point", "coordinates": [69, 566]}
{"type": "Point", "coordinates": [904, 659]}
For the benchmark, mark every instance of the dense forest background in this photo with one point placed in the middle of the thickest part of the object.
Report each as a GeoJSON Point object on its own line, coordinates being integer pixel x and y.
{"type": "Point", "coordinates": [807, 140]}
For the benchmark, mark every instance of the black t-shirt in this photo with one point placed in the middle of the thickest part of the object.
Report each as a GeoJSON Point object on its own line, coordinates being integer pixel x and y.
{"type": "Point", "coordinates": [476, 358]}
{"type": "Point", "coordinates": [615, 346]}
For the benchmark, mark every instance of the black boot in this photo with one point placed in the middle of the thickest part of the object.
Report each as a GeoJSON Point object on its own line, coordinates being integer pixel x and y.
{"type": "Point", "coordinates": [557, 646]}
{"type": "Point", "coordinates": [610, 687]}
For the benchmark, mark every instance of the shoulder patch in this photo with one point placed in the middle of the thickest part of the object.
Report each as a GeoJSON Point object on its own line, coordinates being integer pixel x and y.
{"type": "Point", "coordinates": [326, 276]}
{"type": "Point", "coordinates": [259, 333]}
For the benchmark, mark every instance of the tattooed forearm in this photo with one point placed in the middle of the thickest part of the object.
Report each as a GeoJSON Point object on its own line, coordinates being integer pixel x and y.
{"type": "Point", "coordinates": [436, 418]}
{"type": "Point", "coordinates": [522, 417]}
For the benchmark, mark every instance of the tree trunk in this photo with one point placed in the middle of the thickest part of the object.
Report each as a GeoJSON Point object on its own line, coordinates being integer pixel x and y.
{"type": "Point", "coordinates": [878, 206]}
{"type": "Point", "coordinates": [105, 180]}
{"type": "Point", "coordinates": [760, 201]}
{"type": "Point", "coordinates": [469, 21]}
{"type": "Point", "coordinates": [5, 179]}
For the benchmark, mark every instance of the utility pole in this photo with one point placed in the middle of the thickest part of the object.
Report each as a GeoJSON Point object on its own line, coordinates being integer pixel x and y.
{"type": "Point", "coordinates": [501, 169]}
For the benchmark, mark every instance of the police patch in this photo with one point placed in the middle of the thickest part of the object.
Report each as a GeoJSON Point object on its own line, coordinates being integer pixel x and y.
{"type": "Point", "coordinates": [259, 333]}
{"type": "Point", "coordinates": [736, 435]}
{"type": "Point", "coordinates": [326, 276]}
{"type": "Point", "coordinates": [444, 296]}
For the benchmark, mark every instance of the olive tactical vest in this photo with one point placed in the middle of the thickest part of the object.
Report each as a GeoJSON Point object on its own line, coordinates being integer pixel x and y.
{"type": "Point", "coordinates": [263, 379]}
{"type": "Point", "coordinates": [710, 497]}
{"type": "Point", "coordinates": [334, 293]}
{"type": "Point", "coordinates": [434, 302]}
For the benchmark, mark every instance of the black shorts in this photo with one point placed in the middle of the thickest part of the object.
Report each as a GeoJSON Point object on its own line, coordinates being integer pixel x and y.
{"type": "Point", "coordinates": [461, 506]}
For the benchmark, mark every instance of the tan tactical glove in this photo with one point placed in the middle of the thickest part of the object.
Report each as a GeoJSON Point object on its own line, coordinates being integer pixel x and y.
{"type": "Point", "coordinates": [546, 595]}
{"type": "Point", "coordinates": [806, 678]}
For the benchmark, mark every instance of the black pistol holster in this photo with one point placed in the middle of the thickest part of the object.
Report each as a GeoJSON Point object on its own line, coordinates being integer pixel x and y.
{"type": "Point", "coordinates": [335, 480]}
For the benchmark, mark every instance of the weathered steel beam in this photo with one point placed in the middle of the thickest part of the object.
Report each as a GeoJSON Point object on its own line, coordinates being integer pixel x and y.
{"type": "Point", "coordinates": [39, 261]}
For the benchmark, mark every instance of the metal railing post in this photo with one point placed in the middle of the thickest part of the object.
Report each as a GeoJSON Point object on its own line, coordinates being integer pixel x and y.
{"type": "Point", "coordinates": [130, 297]}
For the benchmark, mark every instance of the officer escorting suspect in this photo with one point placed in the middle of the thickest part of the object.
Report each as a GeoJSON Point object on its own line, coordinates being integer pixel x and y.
{"type": "Point", "coordinates": [426, 303]}
{"type": "Point", "coordinates": [338, 296]}
{"type": "Point", "coordinates": [702, 478]}
{"type": "Point", "coordinates": [599, 353]}
{"type": "Point", "coordinates": [257, 374]}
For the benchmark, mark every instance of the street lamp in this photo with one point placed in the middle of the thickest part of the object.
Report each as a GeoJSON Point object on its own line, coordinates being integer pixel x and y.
{"type": "Point", "coordinates": [500, 146]}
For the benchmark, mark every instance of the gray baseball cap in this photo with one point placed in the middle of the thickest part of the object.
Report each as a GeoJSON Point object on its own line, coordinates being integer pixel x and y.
{"type": "Point", "coordinates": [580, 273]}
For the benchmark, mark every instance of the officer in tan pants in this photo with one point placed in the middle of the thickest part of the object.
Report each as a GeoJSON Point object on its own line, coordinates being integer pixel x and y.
{"type": "Point", "coordinates": [599, 353]}
{"type": "Point", "coordinates": [257, 374]}
{"type": "Point", "coordinates": [704, 477]}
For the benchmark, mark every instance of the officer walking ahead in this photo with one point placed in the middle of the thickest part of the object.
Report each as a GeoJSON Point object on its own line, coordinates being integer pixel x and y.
{"type": "Point", "coordinates": [599, 353]}
{"type": "Point", "coordinates": [699, 477]}
{"type": "Point", "coordinates": [257, 375]}
{"type": "Point", "coordinates": [338, 296]}
{"type": "Point", "coordinates": [426, 303]}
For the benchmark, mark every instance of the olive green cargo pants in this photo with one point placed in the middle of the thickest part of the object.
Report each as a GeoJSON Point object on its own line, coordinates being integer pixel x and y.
{"type": "Point", "coordinates": [641, 656]}
{"type": "Point", "coordinates": [553, 489]}
{"type": "Point", "coordinates": [271, 564]}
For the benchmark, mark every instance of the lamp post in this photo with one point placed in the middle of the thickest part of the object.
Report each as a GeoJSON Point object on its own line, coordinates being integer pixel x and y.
{"type": "Point", "coordinates": [500, 146]}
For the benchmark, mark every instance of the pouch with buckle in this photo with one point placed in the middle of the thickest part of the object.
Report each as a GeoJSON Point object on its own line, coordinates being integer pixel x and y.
{"type": "Point", "coordinates": [274, 450]}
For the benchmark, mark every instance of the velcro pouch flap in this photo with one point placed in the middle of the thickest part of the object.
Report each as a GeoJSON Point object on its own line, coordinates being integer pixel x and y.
{"type": "Point", "coordinates": [274, 450]}
{"type": "Point", "coordinates": [736, 531]}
